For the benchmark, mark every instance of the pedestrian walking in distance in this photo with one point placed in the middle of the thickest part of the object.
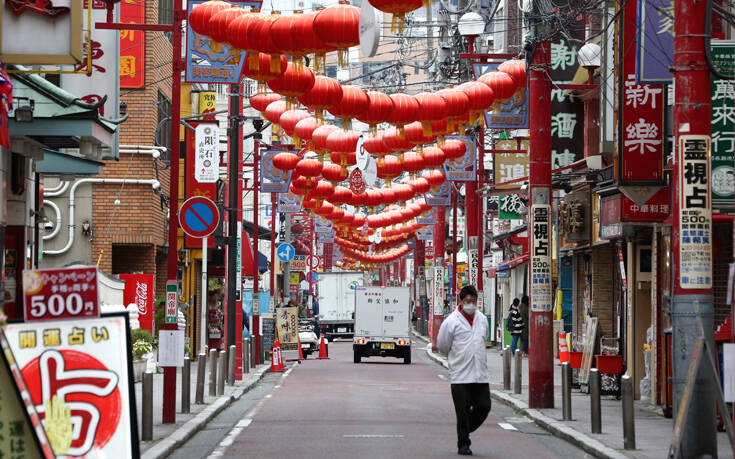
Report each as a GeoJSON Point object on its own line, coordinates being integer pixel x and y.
{"type": "Point", "coordinates": [462, 338]}
{"type": "Point", "coordinates": [515, 325]}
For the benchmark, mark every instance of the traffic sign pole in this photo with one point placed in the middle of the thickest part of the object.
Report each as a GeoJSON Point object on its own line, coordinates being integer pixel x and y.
{"type": "Point", "coordinates": [203, 309]}
{"type": "Point", "coordinates": [274, 212]}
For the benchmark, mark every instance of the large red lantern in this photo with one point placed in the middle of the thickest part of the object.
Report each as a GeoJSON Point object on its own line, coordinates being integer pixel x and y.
{"type": "Point", "coordinates": [420, 186]}
{"type": "Point", "coordinates": [322, 190]}
{"type": "Point", "coordinates": [375, 145]}
{"type": "Point", "coordinates": [501, 83]}
{"type": "Point", "coordinates": [435, 177]}
{"type": "Point", "coordinates": [319, 138]}
{"type": "Point", "coordinates": [304, 29]}
{"type": "Point", "coordinates": [339, 26]}
{"type": "Point", "coordinates": [296, 81]}
{"type": "Point", "coordinates": [405, 111]}
{"type": "Point", "coordinates": [343, 158]}
{"type": "Point", "coordinates": [380, 108]}
{"type": "Point", "coordinates": [261, 101]}
{"type": "Point", "coordinates": [324, 95]}
{"type": "Point", "coordinates": [219, 25]}
{"type": "Point", "coordinates": [412, 163]}
{"type": "Point", "coordinates": [285, 39]}
{"type": "Point", "coordinates": [241, 37]}
{"type": "Point", "coordinates": [480, 96]}
{"type": "Point", "coordinates": [274, 110]}
{"type": "Point", "coordinates": [289, 118]}
{"type": "Point", "coordinates": [201, 14]}
{"type": "Point", "coordinates": [334, 173]}
{"type": "Point", "coordinates": [516, 68]}
{"type": "Point", "coordinates": [285, 161]}
{"type": "Point", "coordinates": [388, 168]}
{"type": "Point", "coordinates": [432, 107]}
{"type": "Point", "coordinates": [309, 168]}
{"type": "Point", "coordinates": [454, 149]}
{"type": "Point", "coordinates": [395, 142]}
{"type": "Point", "coordinates": [354, 103]}
{"type": "Point", "coordinates": [260, 33]}
{"type": "Point", "coordinates": [341, 194]}
{"type": "Point", "coordinates": [263, 72]}
{"type": "Point", "coordinates": [342, 141]}
{"type": "Point", "coordinates": [433, 156]}
{"type": "Point", "coordinates": [398, 9]}
{"type": "Point", "coordinates": [304, 130]}
{"type": "Point", "coordinates": [417, 135]}
{"type": "Point", "coordinates": [458, 104]}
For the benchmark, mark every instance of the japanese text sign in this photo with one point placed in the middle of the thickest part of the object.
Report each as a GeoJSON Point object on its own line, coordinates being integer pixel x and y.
{"type": "Point", "coordinates": [438, 288]}
{"type": "Point", "coordinates": [206, 155]}
{"type": "Point", "coordinates": [462, 169]}
{"type": "Point", "coordinates": [425, 233]}
{"type": "Point", "coordinates": [510, 166]}
{"type": "Point", "coordinates": [66, 293]}
{"type": "Point", "coordinates": [640, 131]}
{"type": "Point", "coordinates": [171, 302]}
{"type": "Point", "coordinates": [511, 207]}
{"type": "Point", "coordinates": [208, 61]}
{"type": "Point", "coordinates": [723, 126]}
{"type": "Point", "coordinates": [427, 218]}
{"type": "Point", "coordinates": [567, 110]}
{"type": "Point", "coordinates": [541, 295]}
{"type": "Point", "coordinates": [655, 50]}
{"type": "Point", "coordinates": [132, 46]}
{"type": "Point", "coordinates": [439, 196]}
{"type": "Point", "coordinates": [193, 186]}
{"type": "Point", "coordinates": [695, 213]}
{"type": "Point", "coordinates": [272, 179]}
{"type": "Point", "coordinates": [82, 366]}
{"type": "Point", "coordinates": [322, 225]}
{"type": "Point", "coordinates": [139, 291]}
{"type": "Point", "coordinates": [298, 263]}
{"type": "Point", "coordinates": [511, 113]}
{"type": "Point", "coordinates": [287, 327]}
{"type": "Point", "coordinates": [289, 202]}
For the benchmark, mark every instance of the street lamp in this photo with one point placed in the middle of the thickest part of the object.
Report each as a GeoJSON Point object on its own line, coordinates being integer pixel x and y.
{"type": "Point", "coordinates": [471, 25]}
{"type": "Point", "coordinates": [589, 58]}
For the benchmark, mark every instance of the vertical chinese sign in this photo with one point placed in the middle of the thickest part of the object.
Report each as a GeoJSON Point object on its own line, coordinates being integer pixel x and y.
{"type": "Point", "coordinates": [723, 126]}
{"type": "Point", "coordinates": [132, 46]}
{"type": "Point", "coordinates": [640, 146]}
{"type": "Point", "coordinates": [202, 168]}
{"type": "Point", "coordinates": [541, 297]}
{"type": "Point", "coordinates": [695, 213]}
{"type": "Point", "coordinates": [511, 166]}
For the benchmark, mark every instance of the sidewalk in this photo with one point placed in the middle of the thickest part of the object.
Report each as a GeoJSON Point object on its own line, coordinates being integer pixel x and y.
{"type": "Point", "coordinates": [653, 430]}
{"type": "Point", "coordinates": [167, 437]}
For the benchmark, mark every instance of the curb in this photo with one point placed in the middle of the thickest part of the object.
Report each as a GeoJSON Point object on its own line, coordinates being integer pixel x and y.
{"type": "Point", "coordinates": [557, 428]}
{"type": "Point", "coordinates": [167, 446]}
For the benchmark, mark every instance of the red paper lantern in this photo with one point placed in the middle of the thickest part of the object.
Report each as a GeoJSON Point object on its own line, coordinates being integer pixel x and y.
{"type": "Point", "coordinates": [516, 68]}
{"type": "Point", "coordinates": [343, 158]}
{"type": "Point", "coordinates": [433, 156]}
{"type": "Point", "coordinates": [334, 173]}
{"type": "Point", "coordinates": [405, 110]}
{"type": "Point", "coordinates": [398, 9]}
{"type": "Point", "coordinates": [322, 190]}
{"type": "Point", "coordinates": [325, 209]}
{"type": "Point", "coordinates": [432, 107]}
{"type": "Point", "coordinates": [263, 72]}
{"type": "Point", "coordinates": [324, 95]}
{"type": "Point", "coordinates": [480, 96]}
{"type": "Point", "coordinates": [289, 118]}
{"type": "Point", "coordinates": [319, 138]}
{"type": "Point", "coordinates": [285, 161]}
{"type": "Point", "coordinates": [403, 192]}
{"type": "Point", "coordinates": [435, 177]}
{"type": "Point", "coordinates": [260, 33]}
{"type": "Point", "coordinates": [283, 36]}
{"type": "Point", "coordinates": [241, 38]}
{"type": "Point", "coordinates": [304, 29]}
{"type": "Point", "coordinates": [359, 220]}
{"type": "Point", "coordinates": [261, 101]}
{"type": "Point", "coordinates": [420, 186]}
{"type": "Point", "coordinates": [336, 214]}
{"type": "Point", "coordinates": [309, 168]}
{"type": "Point", "coordinates": [341, 194]}
{"type": "Point", "coordinates": [394, 141]}
{"type": "Point", "coordinates": [454, 149]}
{"type": "Point", "coordinates": [201, 14]}
{"type": "Point", "coordinates": [416, 134]}
{"type": "Point", "coordinates": [372, 198]}
{"type": "Point", "coordinates": [220, 22]}
{"type": "Point", "coordinates": [339, 26]}
{"type": "Point", "coordinates": [274, 110]}
{"type": "Point", "coordinates": [380, 108]}
{"type": "Point", "coordinates": [388, 196]}
{"type": "Point", "coordinates": [458, 104]}
{"type": "Point", "coordinates": [412, 162]}
{"type": "Point", "coordinates": [354, 102]}
{"type": "Point", "coordinates": [388, 167]}
{"type": "Point", "coordinates": [305, 128]}
{"type": "Point", "coordinates": [375, 145]}
{"type": "Point", "coordinates": [342, 141]}
{"type": "Point", "coordinates": [295, 81]}
{"type": "Point", "coordinates": [501, 83]}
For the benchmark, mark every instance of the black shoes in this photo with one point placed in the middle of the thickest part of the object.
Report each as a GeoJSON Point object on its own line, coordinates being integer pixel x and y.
{"type": "Point", "coordinates": [465, 451]}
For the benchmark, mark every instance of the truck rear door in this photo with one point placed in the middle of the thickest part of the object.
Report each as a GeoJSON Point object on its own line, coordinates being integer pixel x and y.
{"type": "Point", "coordinates": [368, 317]}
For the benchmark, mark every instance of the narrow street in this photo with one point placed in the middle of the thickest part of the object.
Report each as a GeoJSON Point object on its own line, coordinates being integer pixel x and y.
{"type": "Point", "coordinates": [381, 407]}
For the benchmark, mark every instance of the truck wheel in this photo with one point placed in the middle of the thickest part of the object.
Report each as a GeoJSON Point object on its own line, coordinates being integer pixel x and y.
{"type": "Point", "coordinates": [407, 357]}
{"type": "Point", "coordinates": [358, 356]}
{"type": "Point", "coordinates": [305, 354]}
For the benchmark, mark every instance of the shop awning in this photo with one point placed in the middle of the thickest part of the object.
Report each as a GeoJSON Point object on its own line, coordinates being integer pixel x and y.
{"type": "Point", "coordinates": [57, 163]}
{"type": "Point", "coordinates": [507, 234]}
{"type": "Point", "coordinates": [264, 233]}
{"type": "Point", "coordinates": [514, 263]}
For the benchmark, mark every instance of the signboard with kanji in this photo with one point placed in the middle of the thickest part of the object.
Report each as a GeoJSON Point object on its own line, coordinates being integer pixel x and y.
{"type": "Point", "coordinates": [695, 213]}
{"type": "Point", "coordinates": [272, 179]}
{"type": "Point", "coordinates": [439, 196]}
{"type": "Point", "coordinates": [298, 263]}
{"type": "Point", "coordinates": [511, 113]}
{"type": "Point", "coordinates": [462, 169]}
{"type": "Point", "coordinates": [171, 303]}
{"type": "Point", "coordinates": [194, 187]}
{"type": "Point", "coordinates": [289, 202]}
{"type": "Point", "coordinates": [425, 233]}
{"type": "Point", "coordinates": [79, 376]}
{"type": "Point", "coordinates": [132, 46]}
{"type": "Point", "coordinates": [541, 294]}
{"type": "Point", "coordinates": [511, 207]}
{"type": "Point", "coordinates": [206, 154]}
{"type": "Point", "coordinates": [66, 293]}
{"type": "Point", "coordinates": [723, 126]}
{"type": "Point", "coordinates": [287, 328]}
{"type": "Point", "coordinates": [510, 166]}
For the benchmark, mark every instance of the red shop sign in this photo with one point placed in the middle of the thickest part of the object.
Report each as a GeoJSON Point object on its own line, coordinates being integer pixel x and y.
{"type": "Point", "coordinates": [139, 291]}
{"type": "Point", "coordinates": [50, 294]}
{"type": "Point", "coordinates": [619, 208]}
{"type": "Point", "coordinates": [641, 122]}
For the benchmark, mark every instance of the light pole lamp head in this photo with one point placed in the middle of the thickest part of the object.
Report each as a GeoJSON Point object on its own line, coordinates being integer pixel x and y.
{"type": "Point", "coordinates": [471, 25]}
{"type": "Point", "coordinates": [589, 56]}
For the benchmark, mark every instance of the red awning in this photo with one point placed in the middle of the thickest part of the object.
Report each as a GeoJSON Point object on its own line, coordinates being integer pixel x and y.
{"type": "Point", "coordinates": [512, 263]}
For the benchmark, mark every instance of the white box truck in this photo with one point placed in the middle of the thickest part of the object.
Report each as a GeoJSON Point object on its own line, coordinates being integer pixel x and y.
{"type": "Point", "coordinates": [382, 323]}
{"type": "Point", "coordinates": [337, 302]}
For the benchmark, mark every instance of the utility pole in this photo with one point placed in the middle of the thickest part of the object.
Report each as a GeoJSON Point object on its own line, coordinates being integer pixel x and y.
{"type": "Point", "coordinates": [692, 301]}
{"type": "Point", "coordinates": [437, 315]}
{"type": "Point", "coordinates": [287, 266]}
{"type": "Point", "coordinates": [234, 268]}
{"type": "Point", "coordinates": [255, 332]}
{"type": "Point", "coordinates": [540, 355]}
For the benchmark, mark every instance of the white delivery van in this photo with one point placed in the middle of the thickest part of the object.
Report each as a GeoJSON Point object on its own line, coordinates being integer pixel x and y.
{"type": "Point", "coordinates": [382, 323]}
{"type": "Point", "coordinates": [337, 302]}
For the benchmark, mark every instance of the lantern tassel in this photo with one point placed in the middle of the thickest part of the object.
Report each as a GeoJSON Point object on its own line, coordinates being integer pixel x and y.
{"type": "Point", "coordinates": [253, 62]}
{"type": "Point", "coordinates": [342, 57]}
{"type": "Point", "coordinates": [426, 129]}
{"type": "Point", "coordinates": [373, 130]}
{"type": "Point", "coordinates": [297, 142]}
{"type": "Point", "coordinates": [262, 88]}
{"type": "Point", "coordinates": [319, 115]}
{"type": "Point", "coordinates": [275, 63]}
{"type": "Point", "coordinates": [440, 140]}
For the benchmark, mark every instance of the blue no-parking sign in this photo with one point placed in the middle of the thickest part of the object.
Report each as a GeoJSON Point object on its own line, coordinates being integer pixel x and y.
{"type": "Point", "coordinates": [198, 216]}
{"type": "Point", "coordinates": [311, 277]}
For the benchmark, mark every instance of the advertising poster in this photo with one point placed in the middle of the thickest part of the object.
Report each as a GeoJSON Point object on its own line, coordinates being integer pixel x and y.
{"type": "Point", "coordinates": [78, 374]}
{"type": "Point", "coordinates": [139, 291]}
{"type": "Point", "coordinates": [287, 328]}
{"type": "Point", "coordinates": [541, 294]}
{"type": "Point", "coordinates": [462, 169]}
{"type": "Point", "coordinates": [66, 293]}
{"type": "Point", "coordinates": [723, 126]}
{"type": "Point", "coordinates": [272, 179]}
{"type": "Point", "coordinates": [132, 46]}
{"type": "Point", "coordinates": [289, 202]}
{"type": "Point", "coordinates": [298, 263]}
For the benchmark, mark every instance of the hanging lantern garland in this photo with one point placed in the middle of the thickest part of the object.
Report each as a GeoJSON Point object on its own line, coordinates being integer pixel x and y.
{"type": "Point", "coordinates": [339, 26]}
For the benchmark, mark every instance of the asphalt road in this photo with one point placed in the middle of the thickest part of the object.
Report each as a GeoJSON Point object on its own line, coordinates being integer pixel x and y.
{"type": "Point", "coordinates": [378, 408]}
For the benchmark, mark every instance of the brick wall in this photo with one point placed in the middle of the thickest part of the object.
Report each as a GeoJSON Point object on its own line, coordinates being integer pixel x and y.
{"type": "Point", "coordinates": [129, 235]}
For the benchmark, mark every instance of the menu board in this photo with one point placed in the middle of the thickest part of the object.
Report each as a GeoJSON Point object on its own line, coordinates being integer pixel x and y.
{"type": "Point", "coordinates": [268, 334]}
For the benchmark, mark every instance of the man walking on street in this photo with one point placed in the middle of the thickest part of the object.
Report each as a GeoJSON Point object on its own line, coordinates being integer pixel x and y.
{"type": "Point", "coordinates": [515, 321]}
{"type": "Point", "coordinates": [524, 316]}
{"type": "Point", "coordinates": [462, 338]}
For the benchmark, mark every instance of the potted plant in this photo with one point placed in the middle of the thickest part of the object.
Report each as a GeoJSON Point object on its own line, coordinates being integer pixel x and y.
{"type": "Point", "coordinates": [143, 343]}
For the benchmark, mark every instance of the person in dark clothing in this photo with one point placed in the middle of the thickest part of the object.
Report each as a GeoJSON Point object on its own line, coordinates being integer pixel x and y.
{"type": "Point", "coordinates": [524, 315]}
{"type": "Point", "coordinates": [516, 325]}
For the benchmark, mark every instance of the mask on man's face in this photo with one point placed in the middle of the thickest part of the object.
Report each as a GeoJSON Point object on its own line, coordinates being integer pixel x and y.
{"type": "Point", "coordinates": [469, 308]}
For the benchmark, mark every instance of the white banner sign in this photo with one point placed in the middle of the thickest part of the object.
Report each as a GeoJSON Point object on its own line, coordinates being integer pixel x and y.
{"type": "Point", "coordinates": [206, 153]}
{"type": "Point", "coordinates": [438, 296]}
{"type": "Point", "coordinates": [541, 295]}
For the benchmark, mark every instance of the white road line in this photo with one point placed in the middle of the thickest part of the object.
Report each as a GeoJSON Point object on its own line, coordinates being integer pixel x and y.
{"type": "Point", "coordinates": [506, 426]}
{"type": "Point", "coordinates": [373, 436]}
{"type": "Point", "coordinates": [442, 377]}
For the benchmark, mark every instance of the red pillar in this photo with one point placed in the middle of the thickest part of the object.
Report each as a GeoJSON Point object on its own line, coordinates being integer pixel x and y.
{"type": "Point", "coordinates": [255, 332]}
{"type": "Point", "coordinates": [453, 277]}
{"type": "Point", "coordinates": [540, 355]}
{"type": "Point", "coordinates": [480, 217]}
{"type": "Point", "coordinates": [274, 213]}
{"type": "Point", "coordinates": [238, 288]}
{"type": "Point", "coordinates": [438, 296]}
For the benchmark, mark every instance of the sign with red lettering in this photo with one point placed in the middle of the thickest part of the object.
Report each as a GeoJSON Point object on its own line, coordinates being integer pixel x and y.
{"type": "Point", "coordinates": [620, 208]}
{"type": "Point", "coordinates": [139, 291]}
{"type": "Point", "coordinates": [66, 293]}
{"type": "Point", "coordinates": [79, 378]}
{"type": "Point", "coordinates": [640, 131]}
{"type": "Point", "coordinates": [132, 46]}
{"type": "Point", "coordinates": [194, 187]}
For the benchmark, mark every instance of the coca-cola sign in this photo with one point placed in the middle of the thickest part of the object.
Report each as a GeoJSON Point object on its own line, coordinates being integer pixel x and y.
{"type": "Point", "coordinates": [139, 291]}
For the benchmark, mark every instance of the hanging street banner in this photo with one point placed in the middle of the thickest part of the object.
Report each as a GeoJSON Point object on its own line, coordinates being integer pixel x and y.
{"type": "Point", "coordinates": [655, 50]}
{"type": "Point", "coordinates": [322, 225]}
{"type": "Point", "coordinates": [132, 46]}
{"type": "Point", "coordinates": [194, 187]}
{"type": "Point", "coordinates": [512, 207]}
{"type": "Point", "coordinates": [208, 61]}
{"type": "Point", "coordinates": [272, 179]}
{"type": "Point", "coordinates": [439, 197]}
{"type": "Point", "coordinates": [289, 202]}
{"type": "Point", "coordinates": [66, 293]}
{"type": "Point", "coordinates": [511, 113]}
{"type": "Point", "coordinates": [79, 378]}
{"type": "Point", "coordinates": [462, 169]}
{"type": "Point", "coordinates": [206, 155]}
{"type": "Point", "coordinates": [723, 127]}
{"type": "Point", "coordinates": [695, 213]}
{"type": "Point", "coordinates": [640, 130]}
{"type": "Point", "coordinates": [510, 166]}
{"type": "Point", "coordinates": [427, 218]}
{"type": "Point", "coordinates": [139, 291]}
{"type": "Point", "coordinates": [425, 233]}
{"type": "Point", "coordinates": [437, 300]}
{"type": "Point", "coordinates": [541, 293]}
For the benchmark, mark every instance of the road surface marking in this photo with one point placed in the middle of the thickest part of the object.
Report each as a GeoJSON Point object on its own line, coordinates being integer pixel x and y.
{"type": "Point", "coordinates": [373, 436]}
{"type": "Point", "coordinates": [442, 377]}
{"type": "Point", "coordinates": [230, 438]}
{"type": "Point", "coordinates": [269, 396]}
{"type": "Point", "coordinates": [506, 426]}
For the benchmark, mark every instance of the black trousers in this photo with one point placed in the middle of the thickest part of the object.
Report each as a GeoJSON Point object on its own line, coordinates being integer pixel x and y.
{"type": "Point", "coordinates": [472, 405]}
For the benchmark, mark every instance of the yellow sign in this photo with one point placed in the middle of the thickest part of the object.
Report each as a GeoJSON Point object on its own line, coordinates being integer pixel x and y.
{"type": "Point", "coordinates": [207, 101]}
{"type": "Point", "coordinates": [294, 278]}
{"type": "Point", "coordinates": [287, 327]}
{"type": "Point", "coordinates": [510, 166]}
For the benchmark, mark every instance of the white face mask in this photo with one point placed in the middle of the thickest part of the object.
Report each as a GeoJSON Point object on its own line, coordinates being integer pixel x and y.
{"type": "Point", "coordinates": [469, 309]}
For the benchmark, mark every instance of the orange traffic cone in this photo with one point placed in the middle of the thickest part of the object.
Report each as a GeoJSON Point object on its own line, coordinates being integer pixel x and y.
{"type": "Point", "coordinates": [277, 357]}
{"type": "Point", "coordinates": [301, 354]}
{"type": "Point", "coordinates": [323, 350]}
{"type": "Point", "coordinates": [563, 348]}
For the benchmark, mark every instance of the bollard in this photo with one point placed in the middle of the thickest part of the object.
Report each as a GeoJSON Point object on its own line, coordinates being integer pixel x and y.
{"type": "Point", "coordinates": [222, 370]}
{"type": "Point", "coordinates": [213, 372]}
{"type": "Point", "coordinates": [506, 368]}
{"type": "Point", "coordinates": [626, 387]}
{"type": "Point", "coordinates": [186, 386]}
{"type": "Point", "coordinates": [252, 353]}
{"type": "Point", "coordinates": [262, 352]}
{"type": "Point", "coordinates": [231, 365]}
{"type": "Point", "coordinates": [517, 371]}
{"type": "Point", "coordinates": [201, 375]}
{"type": "Point", "coordinates": [595, 414]}
{"type": "Point", "coordinates": [246, 355]}
{"type": "Point", "coordinates": [566, 391]}
{"type": "Point", "coordinates": [147, 415]}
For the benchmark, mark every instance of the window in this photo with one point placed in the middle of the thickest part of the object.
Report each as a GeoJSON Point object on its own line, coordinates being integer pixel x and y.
{"type": "Point", "coordinates": [164, 129]}
{"type": "Point", "coordinates": [166, 15]}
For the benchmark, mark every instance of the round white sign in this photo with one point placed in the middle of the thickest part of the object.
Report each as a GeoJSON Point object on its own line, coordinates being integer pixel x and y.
{"type": "Point", "coordinates": [361, 155]}
{"type": "Point", "coordinates": [371, 172]}
{"type": "Point", "coordinates": [369, 30]}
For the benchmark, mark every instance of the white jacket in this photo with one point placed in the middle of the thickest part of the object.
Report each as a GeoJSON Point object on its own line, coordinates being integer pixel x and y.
{"type": "Point", "coordinates": [464, 347]}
